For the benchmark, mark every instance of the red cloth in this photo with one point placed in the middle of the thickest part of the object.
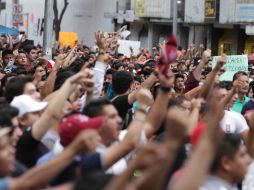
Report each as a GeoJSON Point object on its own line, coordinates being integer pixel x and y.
{"type": "Point", "coordinates": [74, 124]}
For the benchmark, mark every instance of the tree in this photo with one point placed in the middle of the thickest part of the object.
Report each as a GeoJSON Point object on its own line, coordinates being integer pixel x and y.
{"type": "Point", "coordinates": [58, 19]}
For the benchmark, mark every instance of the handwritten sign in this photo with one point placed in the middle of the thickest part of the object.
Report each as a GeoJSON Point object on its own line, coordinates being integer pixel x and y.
{"type": "Point", "coordinates": [234, 64]}
{"type": "Point", "coordinates": [124, 47]}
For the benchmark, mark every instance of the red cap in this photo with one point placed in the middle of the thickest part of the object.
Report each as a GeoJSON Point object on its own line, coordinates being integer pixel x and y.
{"type": "Point", "coordinates": [71, 126]}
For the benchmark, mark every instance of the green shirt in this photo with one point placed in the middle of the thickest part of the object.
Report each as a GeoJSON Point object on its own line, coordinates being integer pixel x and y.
{"type": "Point", "coordinates": [238, 105]}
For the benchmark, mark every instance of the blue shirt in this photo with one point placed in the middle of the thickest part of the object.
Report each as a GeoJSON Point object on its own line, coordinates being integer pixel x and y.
{"type": "Point", "coordinates": [86, 162]}
{"type": "Point", "coordinates": [4, 183]}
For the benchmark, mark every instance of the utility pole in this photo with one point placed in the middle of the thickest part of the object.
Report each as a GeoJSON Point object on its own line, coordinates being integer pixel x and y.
{"type": "Point", "coordinates": [175, 17]}
{"type": "Point", "coordinates": [48, 29]}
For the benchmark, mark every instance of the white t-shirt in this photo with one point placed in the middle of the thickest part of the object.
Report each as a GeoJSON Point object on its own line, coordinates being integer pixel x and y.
{"type": "Point", "coordinates": [216, 183]}
{"type": "Point", "coordinates": [233, 122]}
{"type": "Point", "coordinates": [121, 165]}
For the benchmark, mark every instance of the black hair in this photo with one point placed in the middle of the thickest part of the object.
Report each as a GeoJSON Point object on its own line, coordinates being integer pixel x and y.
{"type": "Point", "coordinates": [122, 81]}
{"type": "Point", "coordinates": [7, 52]}
{"type": "Point", "coordinates": [95, 107]}
{"type": "Point", "coordinates": [238, 74]}
{"type": "Point", "coordinates": [35, 67]}
{"type": "Point", "coordinates": [118, 65]}
{"type": "Point", "coordinates": [110, 71]}
{"type": "Point", "coordinates": [77, 65]}
{"type": "Point", "coordinates": [85, 47]}
{"type": "Point", "coordinates": [138, 79]}
{"type": "Point", "coordinates": [15, 87]}
{"type": "Point", "coordinates": [225, 84]}
{"type": "Point", "coordinates": [251, 87]}
{"type": "Point", "coordinates": [61, 77]}
{"type": "Point", "coordinates": [178, 75]}
{"type": "Point", "coordinates": [229, 146]}
{"type": "Point", "coordinates": [29, 48]}
{"type": "Point", "coordinates": [7, 112]}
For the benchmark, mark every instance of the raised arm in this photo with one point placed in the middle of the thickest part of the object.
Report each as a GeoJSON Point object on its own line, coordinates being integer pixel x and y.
{"type": "Point", "coordinates": [209, 82]}
{"type": "Point", "coordinates": [133, 135]}
{"type": "Point", "coordinates": [207, 145]}
{"type": "Point", "coordinates": [52, 112]}
{"type": "Point", "coordinates": [39, 176]}
{"type": "Point", "coordinates": [153, 160]}
{"type": "Point", "coordinates": [100, 65]}
{"type": "Point", "coordinates": [132, 97]}
{"type": "Point", "coordinates": [160, 106]}
{"type": "Point", "coordinates": [205, 58]}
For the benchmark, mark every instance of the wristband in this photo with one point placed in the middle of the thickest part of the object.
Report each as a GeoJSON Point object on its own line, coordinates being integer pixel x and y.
{"type": "Point", "coordinates": [165, 89]}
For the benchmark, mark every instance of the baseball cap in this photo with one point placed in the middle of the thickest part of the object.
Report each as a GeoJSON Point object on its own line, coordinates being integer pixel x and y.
{"type": "Point", "coordinates": [71, 126]}
{"type": "Point", "coordinates": [26, 104]}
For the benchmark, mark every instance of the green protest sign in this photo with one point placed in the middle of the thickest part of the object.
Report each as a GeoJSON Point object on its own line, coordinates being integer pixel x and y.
{"type": "Point", "coordinates": [234, 63]}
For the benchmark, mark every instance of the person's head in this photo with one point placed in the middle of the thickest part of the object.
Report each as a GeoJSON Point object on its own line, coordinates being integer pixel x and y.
{"type": "Point", "coordinates": [32, 53]}
{"type": "Point", "coordinates": [21, 58]}
{"type": "Point", "coordinates": [191, 67]}
{"type": "Point", "coordinates": [231, 158]}
{"type": "Point", "coordinates": [119, 66]}
{"type": "Point", "coordinates": [38, 71]}
{"type": "Point", "coordinates": [122, 81]}
{"type": "Point", "coordinates": [109, 75]}
{"type": "Point", "coordinates": [103, 107]}
{"type": "Point", "coordinates": [9, 118]}
{"type": "Point", "coordinates": [251, 74]}
{"type": "Point", "coordinates": [156, 58]}
{"type": "Point", "coordinates": [242, 77]}
{"type": "Point", "coordinates": [7, 152]}
{"type": "Point", "coordinates": [222, 90]}
{"type": "Point", "coordinates": [7, 56]}
{"type": "Point", "coordinates": [181, 66]}
{"type": "Point", "coordinates": [251, 88]}
{"type": "Point", "coordinates": [61, 76]}
{"type": "Point", "coordinates": [29, 109]}
{"type": "Point", "coordinates": [181, 103]}
{"type": "Point", "coordinates": [136, 83]}
{"type": "Point", "coordinates": [20, 85]}
{"type": "Point", "coordinates": [148, 67]}
{"type": "Point", "coordinates": [179, 83]}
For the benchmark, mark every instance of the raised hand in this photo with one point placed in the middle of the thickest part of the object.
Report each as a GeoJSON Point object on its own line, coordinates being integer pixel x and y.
{"type": "Point", "coordinates": [206, 56]}
{"type": "Point", "coordinates": [144, 97]}
{"type": "Point", "coordinates": [101, 41]}
{"type": "Point", "coordinates": [86, 141]}
{"type": "Point", "coordinates": [220, 63]}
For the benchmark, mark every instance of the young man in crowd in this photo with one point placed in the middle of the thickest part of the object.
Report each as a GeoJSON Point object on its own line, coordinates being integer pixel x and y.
{"type": "Point", "coordinates": [75, 84]}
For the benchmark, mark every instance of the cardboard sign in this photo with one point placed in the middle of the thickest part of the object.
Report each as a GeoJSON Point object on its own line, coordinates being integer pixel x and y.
{"type": "Point", "coordinates": [234, 64]}
{"type": "Point", "coordinates": [67, 38]}
{"type": "Point", "coordinates": [124, 47]}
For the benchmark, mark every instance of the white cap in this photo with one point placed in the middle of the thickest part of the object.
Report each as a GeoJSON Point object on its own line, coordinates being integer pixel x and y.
{"type": "Point", "coordinates": [26, 104]}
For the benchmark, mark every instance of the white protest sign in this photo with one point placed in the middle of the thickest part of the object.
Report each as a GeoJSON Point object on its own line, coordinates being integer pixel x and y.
{"type": "Point", "coordinates": [234, 64]}
{"type": "Point", "coordinates": [124, 47]}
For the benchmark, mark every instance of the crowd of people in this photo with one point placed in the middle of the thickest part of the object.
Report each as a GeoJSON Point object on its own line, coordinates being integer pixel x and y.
{"type": "Point", "coordinates": [97, 119]}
